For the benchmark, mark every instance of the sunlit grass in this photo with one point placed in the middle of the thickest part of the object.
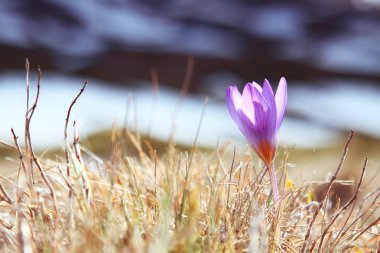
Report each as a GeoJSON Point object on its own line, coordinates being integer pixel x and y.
{"type": "Point", "coordinates": [216, 202]}
{"type": "Point", "coordinates": [136, 199]}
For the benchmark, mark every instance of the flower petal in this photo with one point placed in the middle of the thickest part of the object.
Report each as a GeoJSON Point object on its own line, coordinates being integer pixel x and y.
{"type": "Point", "coordinates": [269, 97]}
{"type": "Point", "coordinates": [257, 86]}
{"type": "Point", "coordinates": [257, 96]}
{"type": "Point", "coordinates": [247, 104]}
{"type": "Point", "coordinates": [267, 90]}
{"type": "Point", "coordinates": [260, 135]}
{"type": "Point", "coordinates": [261, 129]}
{"type": "Point", "coordinates": [265, 124]}
{"type": "Point", "coordinates": [248, 129]}
{"type": "Point", "coordinates": [281, 101]}
{"type": "Point", "coordinates": [259, 114]}
{"type": "Point", "coordinates": [234, 101]}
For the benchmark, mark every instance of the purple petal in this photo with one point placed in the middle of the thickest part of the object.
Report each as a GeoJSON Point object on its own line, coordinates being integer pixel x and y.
{"type": "Point", "coordinates": [260, 135]}
{"type": "Point", "coordinates": [257, 96]}
{"type": "Point", "coordinates": [267, 90]}
{"type": "Point", "coordinates": [265, 127]}
{"type": "Point", "coordinates": [247, 103]}
{"type": "Point", "coordinates": [248, 130]}
{"type": "Point", "coordinates": [281, 101]}
{"type": "Point", "coordinates": [262, 129]}
{"type": "Point", "coordinates": [269, 97]}
{"type": "Point", "coordinates": [257, 86]}
{"type": "Point", "coordinates": [234, 100]}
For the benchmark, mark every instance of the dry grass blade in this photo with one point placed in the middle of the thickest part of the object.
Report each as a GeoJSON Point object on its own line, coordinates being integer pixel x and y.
{"type": "Point", "coordinates": [28, 142]}
{"type": "Point", "coordinates": [333, 178]}
{"type": "Point", "coordinates": [67, 123]}
{"type": "Point", "coordinates": [5, 195]}
{"type": "Point", "coordinates": [341, 211]}
{"type": "Point", "coordinates": [190, 161]}
{"type": "Point", "coordinates": [375, 222]}
{"type": "Point", "coordinates": [230, 179]}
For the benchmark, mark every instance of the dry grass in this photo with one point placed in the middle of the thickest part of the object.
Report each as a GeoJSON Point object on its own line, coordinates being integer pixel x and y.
{"type": "Point", "coordinates": [179, 201]}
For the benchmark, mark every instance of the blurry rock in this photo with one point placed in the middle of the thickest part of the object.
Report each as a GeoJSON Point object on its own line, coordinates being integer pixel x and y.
{"type": "Point", "coordinates": [341, 192]}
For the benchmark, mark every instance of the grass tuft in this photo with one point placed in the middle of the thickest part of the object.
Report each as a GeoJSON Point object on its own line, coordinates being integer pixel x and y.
{"type": "Point", "coordinates": [176, 201]}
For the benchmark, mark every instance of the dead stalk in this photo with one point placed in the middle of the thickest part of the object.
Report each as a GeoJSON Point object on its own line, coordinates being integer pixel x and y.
{"type": "Point", "coordinates": [321, 204]}
{"type": "Point", "coordinates": [5, 195]}
{"type": "Point", "coordinates": [66, 125]}
{"type": "Point", "coordinates": [32, 154]}
{"type": "Point", "coordinates": [375, 222]}
{"type": "Point", "coordinates": [341, 211]}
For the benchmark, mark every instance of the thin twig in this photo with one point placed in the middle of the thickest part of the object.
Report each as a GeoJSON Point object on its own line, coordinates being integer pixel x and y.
{"type": "Point", "coordinates": [22, 166]}
{"type": "Point", "coordinates": [5, 195]}
{"type": "Point", "coordinates": [27, 69]}
{"type": "Point", "coordinates": [29, 141]}
{"type": "Point", "coordinates": [344, 225]}
{"type": "Point", "coordinates": [320, 205]}
{"type": "Point", "coordinates": [33, 108]}
{"type": "Point", "coordinates": [354, 197]}
{"type": "Point", "coordinates": [76, 145]}
{"type": "Point", "coordinates": [67, 123]}
{"type": "Point", "coordinates": [29, 115]}
{"type": "Point", "coordinates": [359, 217]}
{"type": "Point", "coordinates": [78, 156]}
{"type": "Point", "coordinates": [375, 222]}
{"type": "Point", "coordinates": [20, 155]}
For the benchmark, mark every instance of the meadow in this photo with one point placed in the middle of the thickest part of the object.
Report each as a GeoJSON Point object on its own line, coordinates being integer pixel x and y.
{"type": "Point", "coordinates": [146, 196]}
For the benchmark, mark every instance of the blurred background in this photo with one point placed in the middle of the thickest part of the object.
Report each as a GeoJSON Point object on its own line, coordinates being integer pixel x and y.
{"type": "Point", "coordinates": [329, 52]}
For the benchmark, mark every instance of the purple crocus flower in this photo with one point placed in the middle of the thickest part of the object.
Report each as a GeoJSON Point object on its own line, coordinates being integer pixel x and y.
{"type": "Point", "coordinates": [259, 114]}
